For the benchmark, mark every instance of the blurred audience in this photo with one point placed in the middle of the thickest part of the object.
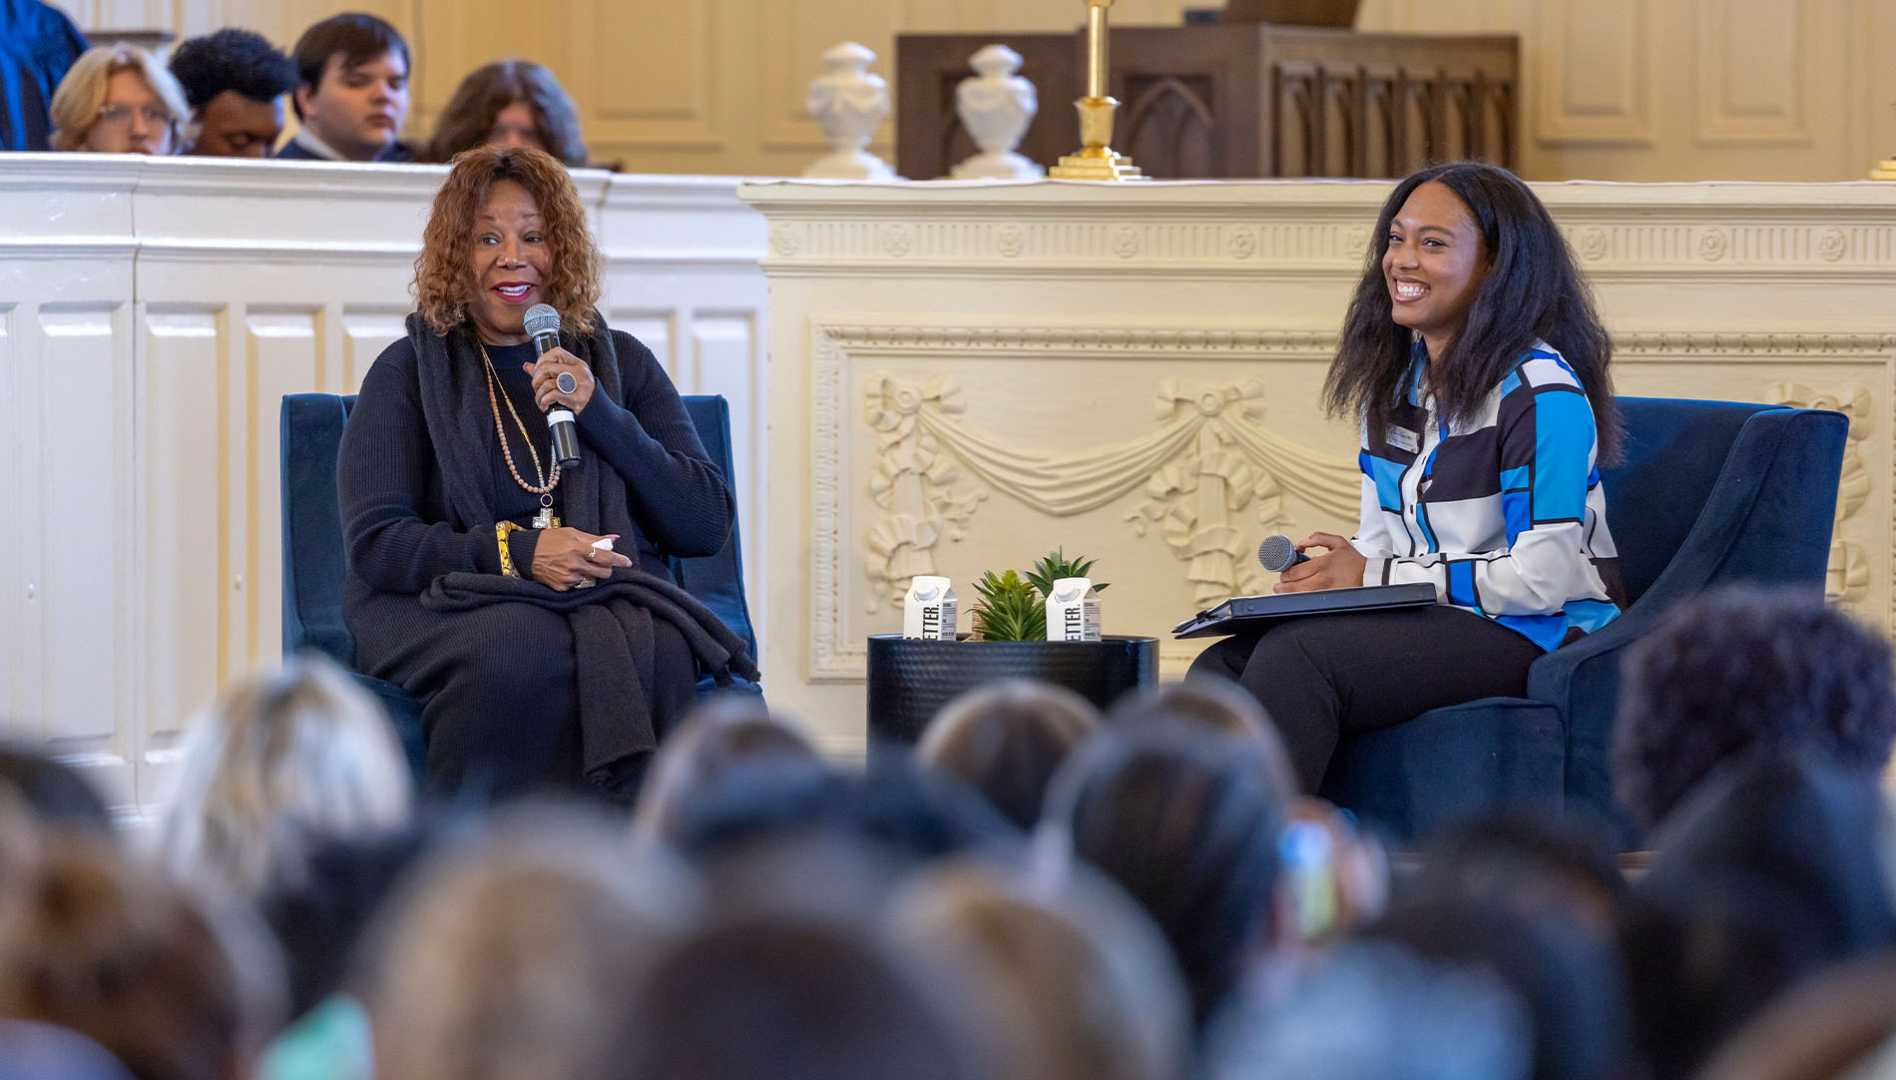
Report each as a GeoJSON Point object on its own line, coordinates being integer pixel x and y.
{"type": "Point", "coordinates": [1011, 951]}
{"type": "Point", "coordinates": [1006, 740]}
{"type": "Point", "coordinates": [1034, 895]}
{"type": "Point", "coordinates": [1742, 668]}
{"type": "Point", "coordinates": [509, 103]}
{"type": "Point", "coordinates": [1570, 985]}
{"type": "Point", "coordinates": [1190, 829]}
{"type": "Point", "coordinates": [174, 986]}
{"type": "Point", "coordinates": [54, 794]}
{"type": "Point", "coordinates": [280, 763]}
{"type": "Point", "coordinates": [234, 81]}
{"type": "Point", "coordinates": [1773, 872]}
{"type": "Point", "coordinates": [1374, 1011]}
{"type": "Point", "coordinates": [1215, 705]}
{"type": "Point", "coordinates": [1532, 861]}
{"type": "Point", "coordinates": [511, 957]}
{"type": "Point", "coordinates": [116, 99]}
{"type": "Point", "coordinates": [789, 996]}
{"type": "Point", "coordinates": [1839, 1024]}
{"type": "Point", "coordinates": [38, 43]}
{"type": "Point", "coordinates": [729, 731]}
{"type": "Point", "coordinates": [351, 96]}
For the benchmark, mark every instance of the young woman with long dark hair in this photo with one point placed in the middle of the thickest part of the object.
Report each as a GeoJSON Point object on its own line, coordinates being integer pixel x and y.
{"type": "Point", "coordinates": [1472, 355]}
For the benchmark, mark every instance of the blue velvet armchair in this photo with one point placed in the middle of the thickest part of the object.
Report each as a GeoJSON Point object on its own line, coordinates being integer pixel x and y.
{"type": "Point", "coordinates": [1708, 494]}
{"type": "Point", "coordinates": [313, 567]}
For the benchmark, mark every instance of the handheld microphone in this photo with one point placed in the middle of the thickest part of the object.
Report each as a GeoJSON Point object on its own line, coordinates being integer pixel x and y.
{"type": "Point", "coordinates": [543, 325]}
{"type": "Point", "coordinates": [1277, 554]}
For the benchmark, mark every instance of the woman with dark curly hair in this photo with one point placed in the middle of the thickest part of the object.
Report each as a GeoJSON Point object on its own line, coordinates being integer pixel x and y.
{"type": "Point", "coordinates": [1472, 356]}
{"type": "Point", "coordinates": [509, 103]}
{"type": "Point", "coordinates": [472, 552]}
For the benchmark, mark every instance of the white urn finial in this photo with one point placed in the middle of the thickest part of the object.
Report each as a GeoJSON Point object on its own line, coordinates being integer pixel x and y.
{"type": "Point", "coordinates": [995, 106]}
{"type": "Point", "coordinates": [850, 102]}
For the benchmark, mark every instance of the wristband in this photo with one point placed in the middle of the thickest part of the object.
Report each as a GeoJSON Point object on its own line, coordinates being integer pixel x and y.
{"type": "Point", "coordinates": [501, 529]}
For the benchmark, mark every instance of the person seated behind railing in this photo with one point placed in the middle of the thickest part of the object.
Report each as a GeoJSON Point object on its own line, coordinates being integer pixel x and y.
{"type": "Point", "coordinates": [118, 100]}
{"type": "Point", "coordinates": [509, 104]}
{"type": "Point", "coordinates": [38, 44]}
{"type": "Point", "coordinates": [352, 92]}
{"type": "Point", "coordinates": [234, 81]}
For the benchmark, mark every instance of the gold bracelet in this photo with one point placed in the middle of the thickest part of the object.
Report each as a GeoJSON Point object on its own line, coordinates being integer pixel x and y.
{"type": "Point", "coordinates": [501, 529]}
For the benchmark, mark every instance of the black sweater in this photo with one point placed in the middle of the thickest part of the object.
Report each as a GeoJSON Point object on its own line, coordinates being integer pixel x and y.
{"type": "Point", "coordinates": [395, 521]}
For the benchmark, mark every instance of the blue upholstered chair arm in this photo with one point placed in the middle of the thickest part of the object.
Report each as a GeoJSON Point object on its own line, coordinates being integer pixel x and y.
{"type": "Point", "coordinates": [1728, 522]}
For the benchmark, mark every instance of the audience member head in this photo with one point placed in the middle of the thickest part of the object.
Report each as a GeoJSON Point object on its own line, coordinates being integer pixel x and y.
{"type": "Point", "coordinates": [1570, 984]}
{"type": "Point", "coordinates": [320, 918]}
{"type": "Point", "coordinates": [1057, 980]}
{"type": "Point", "coordinates": [234, 81]}
{"type": "Point", "coordinates": [116, 99]}
{"type": "Point", "coordinates": [352, 75]}
{"type": "Point", "coordinates": [52, 793]}
{"type": "Point", "coordinates": [173, 987]}
{"type": "Point", "coordinates": [1191, 830]}
{"type": "Point", "coordinates": [506, 219]}
{"type": "Point", "coordinates": [1741, 668]}
{"type": "Point", "coordinates": [510, 104]}
{"type": "Point", "coordinates": [792, 997]}
{"type": "Point", "coordinates": [509, 956]}
{"type": "Point", "coordinates": [1374, 1011]}
{"type": "Point", "coordinates": [280, 762]}
{"type": "Point", "coordinates": [1496, 276]}
{"type": "Point", "coordinates": [34, 1051]}
{"type": "Point", "coordinates": [1215, 705]}
{"type": "Point", "coordinates": [722, 734]}
{"type": "Point", "coordinates": [895, 807]}
{"type": "Point", "coordinates": [1771, 873]}
{"type": "Point", "coordinates": [1006, 740]}
{"type": "Point", "coordinates": [1532, 861]}
{"type": "Point", "coordinates": [1841, 1024]}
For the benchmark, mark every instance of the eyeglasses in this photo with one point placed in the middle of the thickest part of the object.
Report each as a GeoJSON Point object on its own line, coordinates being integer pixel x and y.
{"type": "Point", "coordinates": [121, 115]}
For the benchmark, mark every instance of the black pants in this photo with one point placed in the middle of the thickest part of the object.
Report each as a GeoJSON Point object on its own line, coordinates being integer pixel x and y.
{"type": "Point", "coordinates": [1327, 676]}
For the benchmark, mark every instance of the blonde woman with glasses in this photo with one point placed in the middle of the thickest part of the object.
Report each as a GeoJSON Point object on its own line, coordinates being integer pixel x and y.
{"type": "Point", "coordinates": [116, 99]}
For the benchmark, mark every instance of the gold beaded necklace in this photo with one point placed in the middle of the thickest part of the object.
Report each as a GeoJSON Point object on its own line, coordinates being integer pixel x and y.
{"type": "Point", "coordinates": [546, 518]}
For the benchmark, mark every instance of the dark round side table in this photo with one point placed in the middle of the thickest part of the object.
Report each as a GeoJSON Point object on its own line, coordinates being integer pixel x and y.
{"type": "Point", "coordinates": [911, 679]}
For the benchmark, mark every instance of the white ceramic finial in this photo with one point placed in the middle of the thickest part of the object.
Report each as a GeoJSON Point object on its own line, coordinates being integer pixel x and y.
{"type": "Point", "coordinates": [995, 106]}
{"type": "Point", "coordinates": [850, 102]}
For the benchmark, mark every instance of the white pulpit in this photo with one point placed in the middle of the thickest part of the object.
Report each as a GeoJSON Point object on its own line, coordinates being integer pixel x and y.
{"type": "Point", "coordinates": [966, 375]}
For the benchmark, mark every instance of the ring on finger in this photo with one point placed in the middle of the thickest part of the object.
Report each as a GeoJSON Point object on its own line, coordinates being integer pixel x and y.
{"type": "Point", "coordinates": [566, 383]}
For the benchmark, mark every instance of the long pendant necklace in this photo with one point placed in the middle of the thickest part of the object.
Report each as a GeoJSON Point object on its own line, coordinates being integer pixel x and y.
{"type": "Point", "coordinates": [546, 518]}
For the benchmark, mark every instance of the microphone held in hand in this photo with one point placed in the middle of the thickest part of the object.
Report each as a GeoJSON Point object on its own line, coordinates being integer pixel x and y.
{"type": "Point", "coordinates": [543, 326]}
{"type": "Point", "coordinates": [1277, 553]}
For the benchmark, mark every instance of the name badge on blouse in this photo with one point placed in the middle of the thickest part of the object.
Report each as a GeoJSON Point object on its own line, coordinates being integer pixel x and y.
{"type": "Point", "coordinates": [1402, 439]}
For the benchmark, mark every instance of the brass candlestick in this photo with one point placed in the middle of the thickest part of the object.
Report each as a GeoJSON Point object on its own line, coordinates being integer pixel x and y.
{"type": "Point", "coordinates": [1096, 159]}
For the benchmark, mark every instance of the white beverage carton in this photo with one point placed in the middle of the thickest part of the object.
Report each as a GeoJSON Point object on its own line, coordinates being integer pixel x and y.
{"type": "Point", "coordinates": [1073, 611]}
{"type": "Point", "coordinates": [929, 609]}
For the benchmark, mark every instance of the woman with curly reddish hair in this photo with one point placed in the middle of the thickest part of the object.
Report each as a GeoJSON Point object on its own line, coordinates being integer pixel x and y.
{"type": "Point", "coordinates": [472, 554]}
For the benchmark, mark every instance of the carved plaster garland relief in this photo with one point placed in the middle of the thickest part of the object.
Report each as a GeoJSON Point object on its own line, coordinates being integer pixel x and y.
{"type": "Point", "coordinates": [1208, 459]}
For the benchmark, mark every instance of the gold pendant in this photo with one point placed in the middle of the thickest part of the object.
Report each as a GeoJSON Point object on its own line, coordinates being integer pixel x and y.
{"type": "Point", "coordinates": [546, 519]}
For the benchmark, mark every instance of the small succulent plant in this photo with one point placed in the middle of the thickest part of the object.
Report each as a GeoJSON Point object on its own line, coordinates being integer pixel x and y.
{"type": "Point", "coordinates": [1009, 609]}
{"type": "Point", "coordinates": [1054, 565]}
